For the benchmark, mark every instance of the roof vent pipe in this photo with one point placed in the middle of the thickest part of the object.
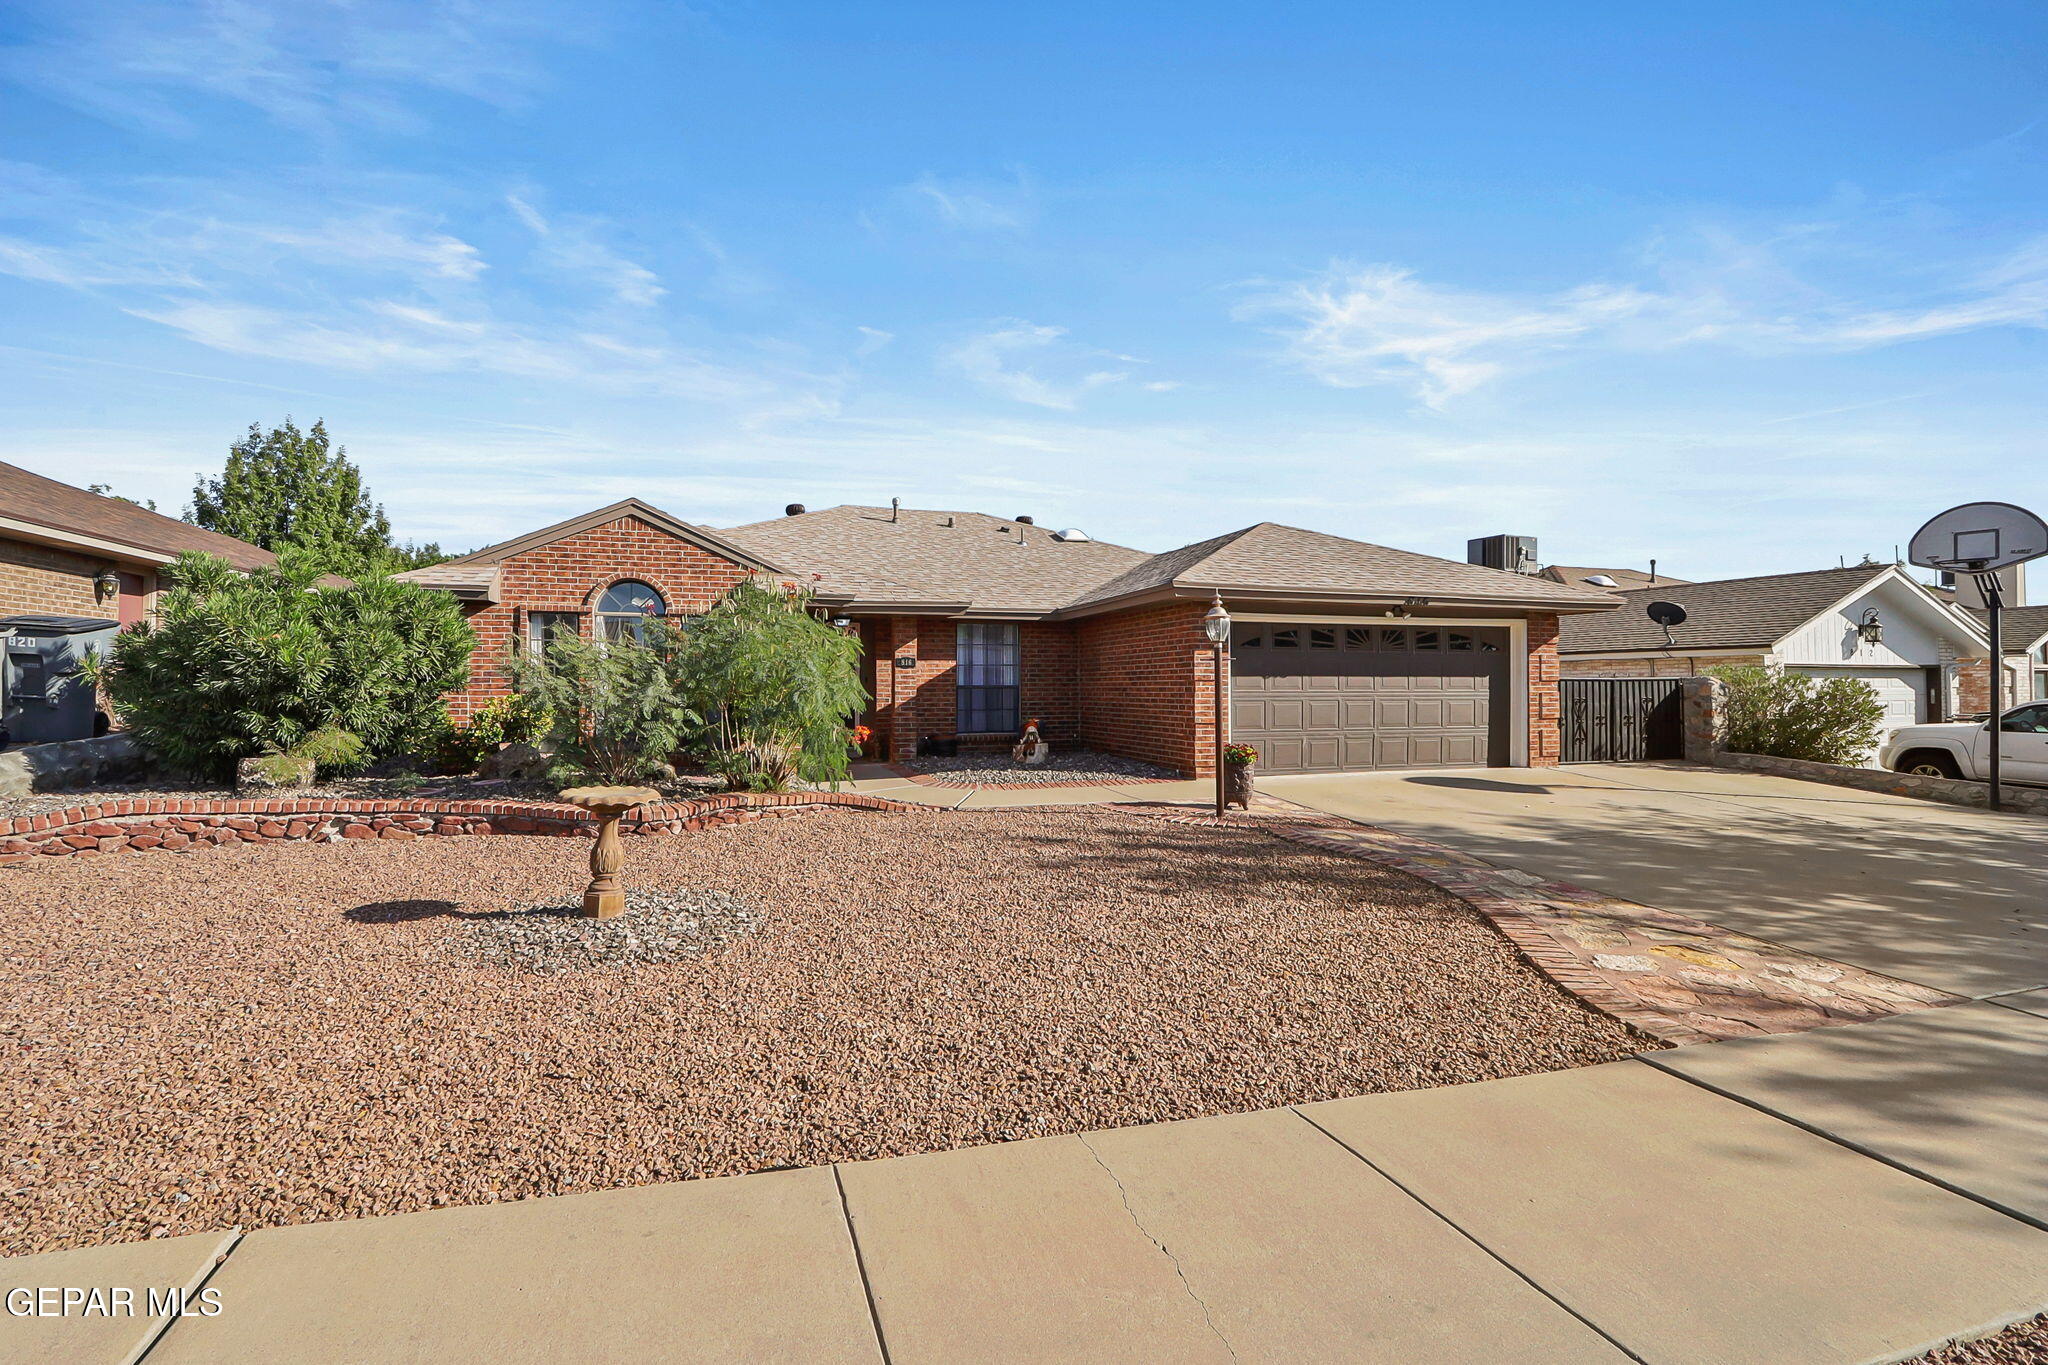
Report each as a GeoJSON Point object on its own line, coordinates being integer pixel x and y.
{"type": "Point", "coordinates": [895, 506]}
{"type": "Point", "coordinates": [795, 509]}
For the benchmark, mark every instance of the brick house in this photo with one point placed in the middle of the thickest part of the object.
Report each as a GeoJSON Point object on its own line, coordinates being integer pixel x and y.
{"type": "Point", "coordinates": [1919, 658]}
{"type": "Point", "coordinates": [65, 551]}
{"type": "Point", "coordinates": [2025, 640]}
{"type": "Point", "coordinates": [1345, 655]}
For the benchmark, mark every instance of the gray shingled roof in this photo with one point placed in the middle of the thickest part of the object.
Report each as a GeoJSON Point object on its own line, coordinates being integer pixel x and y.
{"type": "Point", "coordinates": [921, 555]}
{"type": "Point", "coordinates": [2021, 627]}
{"type": "Point", "coordinates": [1272, 558]}
{"type": "Point", "coordinates": [60, 507]}
{"type": "Point", "coordinates": [1624, 579]}
{"type": "Point", "coordinates": [1733, 613]}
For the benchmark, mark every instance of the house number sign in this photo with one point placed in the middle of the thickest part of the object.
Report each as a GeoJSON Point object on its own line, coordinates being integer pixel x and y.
{"type": "Point", "coordinates": [902, 662]}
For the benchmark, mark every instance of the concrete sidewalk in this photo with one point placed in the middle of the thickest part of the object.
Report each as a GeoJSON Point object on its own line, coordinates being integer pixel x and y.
{"type": "Point", "coordinates": [1853, 1194]}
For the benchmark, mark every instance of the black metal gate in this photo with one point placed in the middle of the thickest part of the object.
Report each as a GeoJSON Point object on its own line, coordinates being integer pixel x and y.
{"type": "Point", "coordinates": [1622, 720]}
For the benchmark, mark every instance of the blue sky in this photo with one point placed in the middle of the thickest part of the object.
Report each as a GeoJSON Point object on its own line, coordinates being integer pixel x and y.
{"type": "Point", "coordinates": [1748, 289]}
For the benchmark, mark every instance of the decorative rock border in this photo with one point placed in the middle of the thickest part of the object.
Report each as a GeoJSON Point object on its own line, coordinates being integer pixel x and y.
{"type": "Point", "coordinates": [930, 780]}
{"type": "Point", "coordinates": [158, 823]}
{"type": "Point", "coordinates": [1676, 978]}
{"type": "Point", "coordinates": [1955, 791]}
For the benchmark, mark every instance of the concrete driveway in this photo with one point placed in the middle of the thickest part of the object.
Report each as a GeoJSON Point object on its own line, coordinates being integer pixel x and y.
{"type": "Point", "coordinates": [1947, 897]}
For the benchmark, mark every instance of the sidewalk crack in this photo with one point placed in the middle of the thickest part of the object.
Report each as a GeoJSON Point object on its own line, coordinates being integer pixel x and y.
{"type": "Point", "coordinates": [1146, 1232]}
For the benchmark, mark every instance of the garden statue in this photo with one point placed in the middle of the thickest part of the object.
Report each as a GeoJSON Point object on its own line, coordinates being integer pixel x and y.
{"type": "Point", "coordinates": [604, 898]}
{"type": "Point", "coordinates": [1031, 750]}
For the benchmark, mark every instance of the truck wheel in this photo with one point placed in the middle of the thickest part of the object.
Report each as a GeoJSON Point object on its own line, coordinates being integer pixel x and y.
{"type": "Point", "coordinates": [1929, 763]}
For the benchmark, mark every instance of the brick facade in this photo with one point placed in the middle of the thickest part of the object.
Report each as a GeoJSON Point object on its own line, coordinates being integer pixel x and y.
{"type": "Point", "coordinates": [1144, 684]}
{"type": "Point", "coordinates": [1667, 666]}
{"type": "Point", "coordinates": [39, 578]}
{"type": "Point", "coordinates": [570, 574]}
{"type": "Point", "coordinates": [910, 703]}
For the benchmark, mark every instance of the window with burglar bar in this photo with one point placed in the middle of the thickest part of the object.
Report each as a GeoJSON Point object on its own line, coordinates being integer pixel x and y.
{"type": "Point", "coordinates": [986, 656]}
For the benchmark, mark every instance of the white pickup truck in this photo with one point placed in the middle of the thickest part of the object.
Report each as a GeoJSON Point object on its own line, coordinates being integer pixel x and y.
{"type": "Point", "coordinates": [1963, 749]}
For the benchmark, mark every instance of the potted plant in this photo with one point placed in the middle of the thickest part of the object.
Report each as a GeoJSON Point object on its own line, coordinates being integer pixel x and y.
{"type": "Point", "coordinates": [1238, 760]}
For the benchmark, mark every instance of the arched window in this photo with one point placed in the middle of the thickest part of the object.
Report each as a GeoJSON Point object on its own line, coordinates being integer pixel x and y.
{"type": "Point", "coordinates": [625, 607]}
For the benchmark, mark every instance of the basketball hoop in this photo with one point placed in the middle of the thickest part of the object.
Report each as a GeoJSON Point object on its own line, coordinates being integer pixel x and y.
{"type": "Point", "coordinates": [1979, 539]}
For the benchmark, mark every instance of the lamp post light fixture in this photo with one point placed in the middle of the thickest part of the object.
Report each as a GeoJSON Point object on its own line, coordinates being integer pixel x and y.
{"type": "Point", "coordinates": [1216, 625]}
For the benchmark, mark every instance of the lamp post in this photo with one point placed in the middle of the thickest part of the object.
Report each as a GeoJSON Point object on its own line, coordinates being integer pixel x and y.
{"type": "Point", "coordinates": [1216, 625]}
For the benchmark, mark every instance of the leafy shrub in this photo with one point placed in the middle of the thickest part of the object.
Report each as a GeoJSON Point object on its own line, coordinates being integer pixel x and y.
{"type": "Point", "coordinates": [1795, 715]}
{"type": "Point", "coordinates": [611, 708]}
{"type": "Point", "coordinates": [237, 665]}
{"type": "Point", "coordinates": [517, 719]}
{"type": "Point", "coordinates": [333, 749]}
{"type": "Point", "coordinates": [774, 690]}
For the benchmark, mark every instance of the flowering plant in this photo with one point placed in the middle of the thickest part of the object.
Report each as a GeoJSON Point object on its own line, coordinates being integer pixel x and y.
{"type": "Point", "coordinates": [861, 735]}
{"type": "Point", "coordinates": [1243, 755]}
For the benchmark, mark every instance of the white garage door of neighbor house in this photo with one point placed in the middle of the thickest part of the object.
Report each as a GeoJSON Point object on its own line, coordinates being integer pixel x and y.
{"type": "Point", "coordinates": [1902, 690]}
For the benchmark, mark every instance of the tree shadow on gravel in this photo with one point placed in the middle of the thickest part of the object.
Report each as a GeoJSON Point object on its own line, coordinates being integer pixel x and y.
{"type": "Point", "coordinates": [406, 912]}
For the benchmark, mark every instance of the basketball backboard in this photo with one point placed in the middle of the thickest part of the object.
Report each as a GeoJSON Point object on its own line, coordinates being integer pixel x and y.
{"type": "Point", "coordinates": [1979, 537]}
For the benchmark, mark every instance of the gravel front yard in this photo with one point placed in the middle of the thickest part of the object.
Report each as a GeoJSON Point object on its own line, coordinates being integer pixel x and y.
{"type": "Point", "coordinates": [269, 1034]}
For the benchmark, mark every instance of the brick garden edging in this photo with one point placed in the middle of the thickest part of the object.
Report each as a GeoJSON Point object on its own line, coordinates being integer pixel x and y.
{"type": "Point", "coordinates": [156, 822]}
{"type": "Point", "coordinates": [1678, 979]}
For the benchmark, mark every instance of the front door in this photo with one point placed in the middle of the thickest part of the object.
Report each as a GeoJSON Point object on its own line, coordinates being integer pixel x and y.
{"type": "Point", "coordinates": [134, 597]}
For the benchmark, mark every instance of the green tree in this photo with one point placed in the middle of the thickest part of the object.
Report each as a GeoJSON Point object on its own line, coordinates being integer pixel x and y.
{"type": "Point", "coordinates": [614, 714]}
{"type": "Point", "coordinates": [286, 487]}
{"type": "Point", "coordinates": [774, 688]}
{"type": "Point", "coordinates": [239, 665]}
{"type": "Point", "coordinates": [1795, 715]}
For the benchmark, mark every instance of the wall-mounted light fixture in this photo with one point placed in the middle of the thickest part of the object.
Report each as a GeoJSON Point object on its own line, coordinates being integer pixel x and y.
{"type": "Point", "coordinates": [1870, 629]}
{"type": "Point", "coordinates": [842, 623]}
{"type": "Point", "coordinates": [106, 584]}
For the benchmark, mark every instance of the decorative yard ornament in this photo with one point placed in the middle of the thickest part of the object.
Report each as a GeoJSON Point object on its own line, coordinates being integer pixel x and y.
{"type": "Point", "coordinates": [1031, 750]}
{"type": "Point", "coordinates": [605, 898]}
{"type": "Point", "coordinates": [1979, 539]}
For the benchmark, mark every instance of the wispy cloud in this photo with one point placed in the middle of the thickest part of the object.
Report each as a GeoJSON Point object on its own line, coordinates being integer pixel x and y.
{"type": "Point", "coordinates": [574, 245]}
{"type": "Point", "coordinates": [991, 359]}
{"type": "Point", "coordinates": [1356, 325]}
{"type": "Point", "coordinates": [977, 205]}
{"type": "Point", "coordinates": [308, 64]}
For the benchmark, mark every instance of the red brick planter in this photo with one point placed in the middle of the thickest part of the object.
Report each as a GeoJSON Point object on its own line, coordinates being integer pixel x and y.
{"type": "Point", "coordinates": [141, 824]}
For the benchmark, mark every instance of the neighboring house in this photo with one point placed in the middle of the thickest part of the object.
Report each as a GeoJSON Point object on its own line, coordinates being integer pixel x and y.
{"type": "Point", "coordinates": [1616, 580]}
{"type": "Point", "coordinates": [2024, 633]}
{"type": "Point", "coordinates": [68, 552]}
{"type": "Point", "coordinates": [1812, 622]}
{"type": "Point", "coordinates": [1346, 655]}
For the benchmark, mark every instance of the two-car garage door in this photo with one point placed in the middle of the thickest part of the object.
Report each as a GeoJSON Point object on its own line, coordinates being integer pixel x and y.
{"type": "Point", "coordinates": [1316, 698]}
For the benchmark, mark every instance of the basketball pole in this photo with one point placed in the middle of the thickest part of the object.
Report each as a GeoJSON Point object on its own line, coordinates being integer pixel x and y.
{"type": "Point", "coordinates": [1994, 602]}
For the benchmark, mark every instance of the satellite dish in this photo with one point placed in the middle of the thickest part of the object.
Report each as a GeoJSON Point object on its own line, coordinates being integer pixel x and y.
{"type": "Point", "coordinates": [1666, 614]}
{"type": "Point", "coordinates": [1979, 537]}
